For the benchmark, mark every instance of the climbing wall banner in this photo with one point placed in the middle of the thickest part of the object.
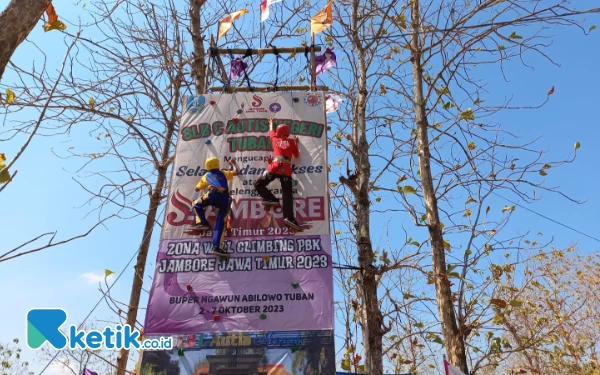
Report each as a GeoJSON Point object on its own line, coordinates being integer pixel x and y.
{"type": "Point", "coordinates": [272, 353]}
{"type": "Point", "coordinates": [275, 278]}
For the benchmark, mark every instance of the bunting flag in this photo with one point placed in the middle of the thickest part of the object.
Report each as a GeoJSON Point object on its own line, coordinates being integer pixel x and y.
{"type": "Point", "coordinates": [322, 20]}
{"type": "Point", "coordinates": [325, 61]}
{"type": "Point", "coordinates": [264, 8]}
{"type": "Point", "coordinates": [451, 370]}
{"type": "Point", "coordinates": [89, 372]}
{"type": "Point", "coordinates": [237, 68]}
{"type": "Point", "coordinates": [53, 22]}
{"type": "Point", "coordinates": [226, 23]}
{"type": "Point", "coordinates": [332, 102]}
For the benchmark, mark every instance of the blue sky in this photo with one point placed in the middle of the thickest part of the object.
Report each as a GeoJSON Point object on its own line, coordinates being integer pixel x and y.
{"type": "Point", "coordinates": [44, 197]}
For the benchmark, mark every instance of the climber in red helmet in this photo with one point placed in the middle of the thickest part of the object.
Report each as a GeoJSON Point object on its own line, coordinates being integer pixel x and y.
{"type": "Point", "coordinates": [280, 167]}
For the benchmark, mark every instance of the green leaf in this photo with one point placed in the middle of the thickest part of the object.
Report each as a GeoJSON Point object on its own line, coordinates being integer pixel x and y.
{"type": "Point", "coordinates": [470, 200]}
{"type": "Point", "coordinates": [447, 105]}
{"type": "Point", "coordinates": [419, 325]}
{"type": "Point", "coordinates": [500, 47]}
{"type": "Point", "coordinates": [468, 252]}
{"type": "Point", "coordinates": [498, 319]}
{"type": "Point", "coordinates": [478, 101]}
{"type": "Point", "coordinates": [407, 189]}
{"type": "Point", "coordinates": [424, 217]}
{"type": "Point", "coordinates": [447, 245]}
{"type": "Point", "coordinates": [382, 89]}
{"type": "Point", "coordinates": [543, 172]}
{"type": "Point", "coordinates": [454, 275]}
{"type": "Point", "coordinates": [401, 19]}
{"type": "Point", "coordinates": [467, 115]}
{"type": "Point", "coordinates": [514, 35]}
{"type": "Point", "coordinates": [346, 364]}
{"type": "Point", "coordinates": [378, 199]}
{"type": "Point", "coordinates": [516, 303]}
{"type": "Point", "coordinates": [415, 243]}
{"type": "Point", "coordinates": [577, 145]}
{"type": "Point", "coordinates": [592, 27]}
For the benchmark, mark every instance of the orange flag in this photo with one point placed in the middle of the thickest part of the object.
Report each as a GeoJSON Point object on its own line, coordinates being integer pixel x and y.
{"type": "Point", "coordinates": [322, 20]}
{"type": "Point", "coordinates": [53, 22]}
{"type": "Point", "coordinates": [226, 23]}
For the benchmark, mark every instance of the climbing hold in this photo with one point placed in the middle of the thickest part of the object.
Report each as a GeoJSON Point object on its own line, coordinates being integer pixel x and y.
{"type": "Point", "coordinates": [208, 141]}
{"type": "Point", "coordinates": [189, 288]}
{"type": "Point", "coordinates": [212, 102]}
{"type": "Point", "coordinates": [263, 316]}
{"type": "Point", "coordinates": [180, 352]}
{"type": "Point", "coordinates": [296, 100]}
{"type": "Point", "coordinates": [235, 120]}
{"type": "Point", "coordinates": [216, 318]}
{"type": "Point", "coordinates": [240, 111]}
{"type": "Point", "coordinates": [266, 258]}
{"type": "Point", "coordinates": [295, 182]}
{"type": "Point", "coordinates": [295, 285]}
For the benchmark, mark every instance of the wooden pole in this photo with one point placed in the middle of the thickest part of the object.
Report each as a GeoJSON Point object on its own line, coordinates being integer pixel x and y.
{"type": "Point", "coordinates": [313, 68]}
{"type": "Point", "coordinates": [219, 61]}
{"type": "Point", "coordinates": [266, 51]}
{"type": "Point", "coordinates": [268, 89]}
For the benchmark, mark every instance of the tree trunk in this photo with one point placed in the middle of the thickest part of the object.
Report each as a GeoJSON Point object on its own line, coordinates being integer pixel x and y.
{"type": "Point", "coordinates": [199, 69]}
{"type": "Point", "coordinates": [17, 20]}
{"type": "Point", "coordinates": [372, 319]}
{"type": "Point", "coordinates": [455, 346]}
{"type": "Point", "coordinates": [140, 266]}
{"type": "Point", "coordinates": [198, 64]}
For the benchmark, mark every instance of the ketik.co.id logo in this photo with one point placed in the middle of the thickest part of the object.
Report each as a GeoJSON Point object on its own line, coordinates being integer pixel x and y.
{"type": "Point", "coordinates": [43, 325]}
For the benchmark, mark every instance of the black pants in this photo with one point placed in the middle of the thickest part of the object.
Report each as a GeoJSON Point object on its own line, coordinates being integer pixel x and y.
{"type": "Point", "coordinates": [286, 186]}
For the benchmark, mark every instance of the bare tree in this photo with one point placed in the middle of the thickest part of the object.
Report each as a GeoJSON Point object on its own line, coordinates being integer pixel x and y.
{"type": "Point", "coordinates": [461, 158]}
{"type": "Point", "coordinates": [126, 87]}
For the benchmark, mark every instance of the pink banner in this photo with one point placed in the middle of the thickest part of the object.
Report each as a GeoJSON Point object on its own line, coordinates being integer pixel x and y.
{"type": "Point", "coordinates": [275, 279]}
{"type": "Point", "coordinates": [269, 283]}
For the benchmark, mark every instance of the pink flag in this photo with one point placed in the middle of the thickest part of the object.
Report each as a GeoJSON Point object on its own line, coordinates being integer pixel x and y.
{"type": "Point", "coordinates": [264, 8]}
{"type": "Point", "coordinates": [332, 102]}
{"type": "Point", "coordinates": [451, 370]}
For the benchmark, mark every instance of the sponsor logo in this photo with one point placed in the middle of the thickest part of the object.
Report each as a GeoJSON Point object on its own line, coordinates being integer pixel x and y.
{"type": "Point", "coordinates": [312, 100]}
{"type": "Point", "coordinates": [257, 101]}
{"type": "Point", "coordinates": [195, 103]}
{"type": "Point", "coordinates": [275, 107]}
{"type": "Point", "coordinates": [257, 106]}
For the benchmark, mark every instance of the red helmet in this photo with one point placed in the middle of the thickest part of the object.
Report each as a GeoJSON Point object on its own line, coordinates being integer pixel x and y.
{"type": "Point", "coordinates": [283, 131]}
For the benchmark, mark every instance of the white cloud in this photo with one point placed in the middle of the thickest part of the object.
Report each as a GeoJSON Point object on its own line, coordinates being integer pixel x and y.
{"type": "Point", "coordinates": [95, 278]}
{"type": "Point", "coordinates": [57, 368]}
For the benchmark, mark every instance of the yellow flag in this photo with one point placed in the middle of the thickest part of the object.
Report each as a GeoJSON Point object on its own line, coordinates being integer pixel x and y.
{"type": "Point", "coordinates": [107, 272]}
{"type": "Point", "coordinates": [226, 23]}
{"type": "Point", "coordinates": [322, 20]}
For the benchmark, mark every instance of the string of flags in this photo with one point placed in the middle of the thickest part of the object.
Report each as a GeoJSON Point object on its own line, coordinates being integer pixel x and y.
{"type": "Point", "coordinates": [318, 23]}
